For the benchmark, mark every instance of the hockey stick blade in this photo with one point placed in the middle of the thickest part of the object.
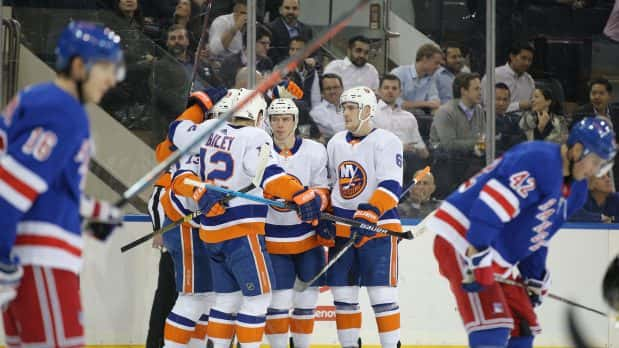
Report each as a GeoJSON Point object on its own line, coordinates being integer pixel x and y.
{"type": "Point", "coordinates": [281, 71]}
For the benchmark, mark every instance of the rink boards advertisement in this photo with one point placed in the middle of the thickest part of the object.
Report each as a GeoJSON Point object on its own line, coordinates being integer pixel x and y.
{"type": "Point", "coordinates": [117, 291]}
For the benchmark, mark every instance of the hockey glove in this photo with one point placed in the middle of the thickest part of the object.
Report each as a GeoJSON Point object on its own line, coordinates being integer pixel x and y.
{"type": "Point", "coordinates": [287, 89]}
{"type": "Point", "coordinates": [309, 204]}
{"type": "Point", "coordinates": [209, 201]}
{"type": "Point", "coordinates": [103, 217]}
{"type": "Point", "coordinates": [11, 273]}
{"type": "Point", "coordinates": [207, 98]}
{"type": "Point", "coordinates": [365, 214]}
{"type": "Point", "coordinates": [537, 289]}
{"type": "Point", "coordinates": [325, 233]}
{"type": "Point", "coordinates": [478, 271]}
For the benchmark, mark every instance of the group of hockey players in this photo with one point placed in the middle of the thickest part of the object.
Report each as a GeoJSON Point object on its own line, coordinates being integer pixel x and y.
{"type": "Point", "coordinates": [237, 262]}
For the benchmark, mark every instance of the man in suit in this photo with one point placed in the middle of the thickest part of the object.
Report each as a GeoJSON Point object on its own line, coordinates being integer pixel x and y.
{"type": "Point", "coordinates": [286, 27]}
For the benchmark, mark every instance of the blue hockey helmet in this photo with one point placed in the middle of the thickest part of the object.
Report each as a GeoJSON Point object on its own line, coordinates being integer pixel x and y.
{"type": "Point", "coordinates": [91, 42]}
{"type": "Point", "coordinates": [596, 136]}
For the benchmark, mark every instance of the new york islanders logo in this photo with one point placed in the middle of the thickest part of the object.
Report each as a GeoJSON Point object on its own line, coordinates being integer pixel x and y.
{"type": "Point", "coordinates": [352, 179]}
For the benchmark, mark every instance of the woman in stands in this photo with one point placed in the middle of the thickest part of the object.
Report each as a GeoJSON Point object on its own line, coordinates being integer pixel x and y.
{"type": "Point", "coordinates": [544, 121]}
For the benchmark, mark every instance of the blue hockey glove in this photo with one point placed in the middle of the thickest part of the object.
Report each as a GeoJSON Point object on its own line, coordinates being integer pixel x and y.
{"type": "Point", "coordinates": [537, 289]}
{"type": "Point", "coordinates": [309, 204]}
{"type": "Point", "coordinates": [365, 214]}
{"type": "Point", "coordinates": [11, 273]}
{"type": "Point", "coordinates": [209, 201]}
{"type": "Point", "coordinates": [207, 98]}
{"type": "Point", "coordinates": [326, 233]}
{"type": "Point", "coordinates": [478, 271]}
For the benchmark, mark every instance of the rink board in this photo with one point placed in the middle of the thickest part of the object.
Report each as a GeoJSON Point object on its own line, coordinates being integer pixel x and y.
{"type": "Point", "coordinates": [117, 291]}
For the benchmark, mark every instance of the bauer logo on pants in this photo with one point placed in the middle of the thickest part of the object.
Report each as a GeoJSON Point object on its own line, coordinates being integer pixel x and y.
{"type": "Point", "coordinates": [352, 179]}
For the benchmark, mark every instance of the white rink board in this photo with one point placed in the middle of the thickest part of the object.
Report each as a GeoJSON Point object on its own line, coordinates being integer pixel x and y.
{"type": "Point", "coordinates": [117, 292]}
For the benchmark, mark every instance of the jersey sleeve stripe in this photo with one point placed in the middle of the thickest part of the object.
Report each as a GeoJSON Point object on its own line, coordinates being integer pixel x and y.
{"type": "Point", "coordinates": [271, 172]}
{"type": "Point", "coordinates": [391, 186]}
{"type": "Point", "coordinates": [14, 197]}
{"type": "Point", "coordinates": [497, 198]}
{"type": "Point", "coordinates": [18, 184]}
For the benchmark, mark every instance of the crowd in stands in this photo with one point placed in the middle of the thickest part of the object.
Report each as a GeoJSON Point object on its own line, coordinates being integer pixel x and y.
{"type": "Point", "coordinates": [434, 105]}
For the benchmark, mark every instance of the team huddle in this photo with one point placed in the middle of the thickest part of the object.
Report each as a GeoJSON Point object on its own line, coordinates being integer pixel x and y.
{"type": "Point", "coordinates": [237, 262]}
{"type": "Point", "coordinates": [236, 265]}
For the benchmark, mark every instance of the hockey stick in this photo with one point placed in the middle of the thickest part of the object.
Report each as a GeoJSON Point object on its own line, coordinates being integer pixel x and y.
{"type": "Point", "coordinates": [281, 71]}
{"type": "Point", "coordinates": [300, 285]}
{"type": "Point", "coordinates": [286, 205]}
{"type": "Point", "coordinates": [201, 42]}
{"type": "Point", "coordinates": [425, 171]}
{"type": "Point", "coordinates": [500, 279]}
{"type": "Point", "coordinates": [263, 159]}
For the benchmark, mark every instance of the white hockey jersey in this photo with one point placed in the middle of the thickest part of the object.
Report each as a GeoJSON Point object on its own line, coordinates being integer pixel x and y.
{"type": "Point", "coordinates": [285, 232]}
{"type": "Point", "coordinates": [229, 157]}
{"type": "Point", "coordinates": [366, 170]}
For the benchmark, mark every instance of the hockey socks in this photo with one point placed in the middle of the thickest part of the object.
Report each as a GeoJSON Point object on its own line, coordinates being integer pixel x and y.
{"type": "Point", "coordinates": [302, 326]}
{"type": "Point", "coordinates": [277, 324]}
{"type": "Point", "coordinates": [348, 322]}
{"type": "Point", "coordinates": [220, 328]}
{"type": "Point", "coordinates": [249, 330]}
{"type": "Point", "coordinates": [388, 323]}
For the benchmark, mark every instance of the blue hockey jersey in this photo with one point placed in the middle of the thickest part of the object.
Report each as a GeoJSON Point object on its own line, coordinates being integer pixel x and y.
{"type": "Point", "coordinates": [44, 154]}
{"type": "Point", "coordinates": [513, 206]}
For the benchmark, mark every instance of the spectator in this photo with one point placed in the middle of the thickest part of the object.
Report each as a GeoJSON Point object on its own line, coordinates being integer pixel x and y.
{"type": "Point", "coordinates": [514, 74]}
{"type": "Point", "coordinates": [327, 114]}
{"type": "Point", "coordinates": [306, 74]}
{"type": "Point", "coordinates": [234, 62]}
{"type": "Point", "coordinates": [508, 132]}
{"type": "Point", "coordinates": [453, 65]}
{"type": "Point", "coordinates": [419, 202]}
{"type": "Point", "coordinates": [355, 69]}
{"type": "Point", "coordinates": [419, 90]}
{"type": "Point", "coordinates": [600, 94]}
{"type": "Point", "coordinates": [242, 77]}
{"type": "Point", "coordinates": [602, 204]}
{"type": "Point", "coordinates": [226, 32]}
{"type": "Point", "coordinates": [124, 101]}
{"type": "Point", "coordinates": [460, 124]}
{"type": "Point", "coordinates": [187, 15]}
{"type": "Point", "coordinates": [129, 10]}
{"type": "Point", "coordinates": [170, 81]}
{"type": "Point", "coordinates": [287, 27]}
{"type": "Point", "coordinates": [457, 135]}
{"type": "Point", "coordinates": [543, 121]}
{"type": "Point", "coordinates": [400, 122]}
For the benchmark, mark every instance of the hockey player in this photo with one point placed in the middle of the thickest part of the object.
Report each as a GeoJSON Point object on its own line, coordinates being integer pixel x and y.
{"type": "Point", "coordinates": [186, 323]}
{"type": "Point", "coordinates": [200, 106]}
{"type": "Point", "coordinates": [240, 267]}
{"type": "Point", "coordinates": [291, 243]}
{"type": "Point", "coordinates": [44, 153]}
{"type": "Point", "coordinates": [501, 220]}
{"type": "Point", "coordinates": [366, 166]}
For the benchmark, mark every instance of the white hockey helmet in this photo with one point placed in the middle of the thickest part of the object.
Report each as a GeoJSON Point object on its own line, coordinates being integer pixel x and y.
{"type": "Point", "coordinates": [253, 108]}
{"type": "Point", "coordinates": [225, 104]}
{"type": "Point", "coordinates": [282, 106]}
{"type": "Point", "coordinates": [362, 96]}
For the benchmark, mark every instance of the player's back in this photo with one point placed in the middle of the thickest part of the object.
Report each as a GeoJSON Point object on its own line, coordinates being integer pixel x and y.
{"type": "Point", "coordinates": [229, 157]}
{"type": "Point", "coordinates": [44, 169]}
{"type": "Point", "coordinates": [523, 192]}
{"type": "Point", "coordinates": [285, 232]}
{"type": "Point", "coordinates": [361, 167]}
